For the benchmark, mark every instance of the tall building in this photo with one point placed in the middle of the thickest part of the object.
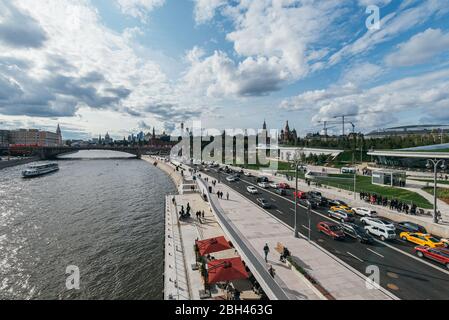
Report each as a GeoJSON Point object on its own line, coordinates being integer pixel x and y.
{"type": "Point", "coordinates": [107, 138]}
{"type": "Point", "coordinates": [288, 136]}
{"type": "Point", "coordinates": [34, 137]}
{"type": "Point", "coordinates": [4, 138]}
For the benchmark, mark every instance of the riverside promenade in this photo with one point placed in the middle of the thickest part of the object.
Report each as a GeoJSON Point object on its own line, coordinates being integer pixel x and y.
{"type": "Point", "coordinates": [183, 281]}
{"type": "Point", "coordinates": [249, 228]}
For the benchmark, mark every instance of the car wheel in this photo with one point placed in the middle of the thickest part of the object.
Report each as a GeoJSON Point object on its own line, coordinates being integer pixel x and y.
{"type": "Point", "coordinates": [364, 222]}
{"type": "Point", "coordinates": [382, 238]}
{"type": "Point", "coordinates": [404, 238]}
{"type": "Point", "coordinates": [419, 254]}
{"type": "Point", "coordinates": [447, 265]}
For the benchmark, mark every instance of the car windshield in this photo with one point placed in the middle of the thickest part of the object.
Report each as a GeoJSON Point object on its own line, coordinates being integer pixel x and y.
{"type": "Point", "coordinates": [391, 232]}
{"type": "Point", "coordinates": [444, 253]}
{"type": "Point", "coordinates": [434, 240]}
{"type": "Point", "coordinates": [334, 228]}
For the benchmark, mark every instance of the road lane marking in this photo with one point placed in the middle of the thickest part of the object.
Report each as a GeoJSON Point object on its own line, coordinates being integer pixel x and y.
{"type": "Point", "coordinates": [378, 241]}
{"type": "Point", "coordinates": [280, 211]}
{"type": "Point", "coordinates": [272, 200]}
{"type": "Point", "coordinates": [355, 257]}
{"type": "Point", "coordinates": [388, 245]}
{"type": "Point", "coordinates": [375, 252]}
{"type": "Point", "coordinates": [305, 227]}
{"type": "Point", "coordinates": [292, 209]}
{"type": "Point", "coordinates": [413, 257]}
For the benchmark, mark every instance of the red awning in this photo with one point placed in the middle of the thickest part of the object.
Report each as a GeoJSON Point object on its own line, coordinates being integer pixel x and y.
{"type": "Point", "coordinates": [226, 270]}
{"type": "Point", "coordinates": [212, 245]}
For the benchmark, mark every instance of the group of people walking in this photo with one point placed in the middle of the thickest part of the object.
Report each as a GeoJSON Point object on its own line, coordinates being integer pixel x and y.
{"type": "Point", "coordinates": [220, 195]}
{"type": "Point", "coordinates": [393, 204]}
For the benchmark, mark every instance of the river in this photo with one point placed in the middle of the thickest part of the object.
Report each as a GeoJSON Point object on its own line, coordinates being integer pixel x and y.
{"type": "Point", "coordinates": [105, 217]}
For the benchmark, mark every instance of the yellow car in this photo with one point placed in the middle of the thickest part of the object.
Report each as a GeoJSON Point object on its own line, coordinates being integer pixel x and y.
{"type": "Point", "coordinates": [342, 208]}
{"type": "Point", "coordinates": [422, 239]}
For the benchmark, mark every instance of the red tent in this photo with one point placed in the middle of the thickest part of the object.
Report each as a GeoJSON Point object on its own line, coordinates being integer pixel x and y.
{"type": "Point", "coordinates": [212, 245]}
{"type": "Point", "coordinates": [226, 270]}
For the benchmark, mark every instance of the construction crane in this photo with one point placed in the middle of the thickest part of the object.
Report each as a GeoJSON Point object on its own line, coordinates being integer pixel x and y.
{"type": "Point", "coordinates": [343, 118]}
{"type": "Point", "coordinates": [326, 123]}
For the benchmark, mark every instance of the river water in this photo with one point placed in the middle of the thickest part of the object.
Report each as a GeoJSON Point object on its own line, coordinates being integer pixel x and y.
{"type": "Point", "coordinates": [105, 217]}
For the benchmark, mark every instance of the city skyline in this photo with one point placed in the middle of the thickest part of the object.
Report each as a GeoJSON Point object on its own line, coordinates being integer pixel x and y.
{"type": "Point", "coordinates": [228, 64]}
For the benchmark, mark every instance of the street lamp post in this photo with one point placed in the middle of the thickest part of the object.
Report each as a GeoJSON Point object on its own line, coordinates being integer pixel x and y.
{"type": "Point", "coordinates": [435, 163]}
{"type": "Point", "coordinates": [297, 160]}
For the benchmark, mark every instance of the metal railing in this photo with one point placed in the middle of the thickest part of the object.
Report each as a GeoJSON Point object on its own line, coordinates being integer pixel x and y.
{"type": "Point", "coordinates": [266, 281]}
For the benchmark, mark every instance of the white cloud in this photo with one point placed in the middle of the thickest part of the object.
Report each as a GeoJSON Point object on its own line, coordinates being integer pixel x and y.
{"type": "Point", "coordinates": [380, 3]}
{"type": "Point", "coordinates": [428, 93]}
{"type": "Point", "coordinates": [80, 65]}
{"type": "Point", "coordinates": [205, 9]}
{"type": "Point", "coordinates": [420, 48]}
{"type": "Point", "coordinates": [139, 8]}
{"type": "Point", "coordinates": [392, 25]}
{"type": "Point", "coordinates": [273, 40]}
{"type": "Point", "coordinates": [362, 73]}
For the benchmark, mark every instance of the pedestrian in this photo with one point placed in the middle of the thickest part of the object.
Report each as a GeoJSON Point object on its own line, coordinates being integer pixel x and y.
{"type": "Point", "coordinates": [227, 195]}
{"type": "Point", "coordinates": [272, 271]}
{"type": "Point", "coordinates": [266, 250]}
{"type": "Point", "coordinates": [202, 214]}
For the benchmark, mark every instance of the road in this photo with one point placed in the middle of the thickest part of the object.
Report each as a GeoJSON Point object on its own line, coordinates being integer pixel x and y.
{"type": "Point", "coordinates": [401, 272]}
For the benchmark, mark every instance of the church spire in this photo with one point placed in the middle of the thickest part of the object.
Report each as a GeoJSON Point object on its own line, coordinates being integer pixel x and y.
{"type": "Point", "coordinates": [264, 127]}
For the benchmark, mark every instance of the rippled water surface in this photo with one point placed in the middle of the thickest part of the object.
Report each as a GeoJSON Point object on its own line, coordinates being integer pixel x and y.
{"type": "Point", "coordinates": [104, 216]}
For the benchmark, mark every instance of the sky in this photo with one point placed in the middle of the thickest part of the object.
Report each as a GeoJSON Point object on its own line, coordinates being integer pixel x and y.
{"type": "Point", "coordinates": [122, 66]}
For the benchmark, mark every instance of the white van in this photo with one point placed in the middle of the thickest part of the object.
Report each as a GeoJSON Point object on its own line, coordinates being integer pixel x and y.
{"type": "Point", "coordinates": [382, 233]}
{"type": "Point", "coordinates": [348, 170]}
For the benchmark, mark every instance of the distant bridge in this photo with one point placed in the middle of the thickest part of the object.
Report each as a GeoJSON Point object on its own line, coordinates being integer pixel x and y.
{"type": "Point", "coordinates": [47, 153]}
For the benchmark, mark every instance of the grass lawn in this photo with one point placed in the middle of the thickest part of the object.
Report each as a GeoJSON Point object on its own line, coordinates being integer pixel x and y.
{"type": "Point", "coordinates": [363, 184]}
{"type": "Point", "coordinates": [442, 193]}
{"type": "Point", "coordinates": [346, 182]}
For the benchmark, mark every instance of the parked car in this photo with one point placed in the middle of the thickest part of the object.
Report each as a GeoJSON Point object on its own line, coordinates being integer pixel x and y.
{"type": "Point", "coordinates": [232, 179]}
{"type": "Point", "coordinates": [335, 202]}
{"type": "Point", "coordinates": [306, 201]}
{"type": "Point", "coordinates": [331, 229]}
{"type": "Point", "coordinates": [357, 232]}
{"type": "Point", "coordinates": [381, 232]}
{"type": "Point", "coordinates": [348, 170]}
{"type": "Point", "coordinates": [365, 212]}
{"type": "Point", "coordinates": [263, 185]}
{"type": "Point", "coordinates": [281, 192]}
{"type": "Point", "coordinates": [263, 179]}
{"type": "Point", "coordinates": [273, 185]}
{"type": "Point", "coordinates": [422, 239]}
{"type": "Point", "coordinates": [283, 186]}
{"type": "Point", "coordinates": [446, 242]}
{"type": "Point", "coordinates": [252, 190]}
{"type": "Point", "coordinates": [440, 255]}
{"type": "Point", "coordinates": [248, 174]}
{"type": "Point", "coordinates": [341, 208]}
{"type": "Point", "coordinates": [322, 201]}
{"type": "Point", "coordinates": [340, 215]}
{"type": "Point", "coordinates": [378, 223]}
{"type": "Point", "coordinates": [263, 203]}
{"type": "Point", "coordinates": [407, 226]}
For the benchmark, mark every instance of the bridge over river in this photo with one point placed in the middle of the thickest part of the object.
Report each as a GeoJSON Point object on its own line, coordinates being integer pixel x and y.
{"type": "Point", "coordinates": [48, 153]}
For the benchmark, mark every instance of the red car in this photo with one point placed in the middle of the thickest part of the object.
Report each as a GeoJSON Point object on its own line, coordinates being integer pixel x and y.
{"type": "Point", "coordinates": [440, 255]}
{"type": "Point", "coordinates": [283, 186]}
{"type": "Point", "coordinates": [300, 194]}
{"type": "Point", "coordinates": [331, 229]}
